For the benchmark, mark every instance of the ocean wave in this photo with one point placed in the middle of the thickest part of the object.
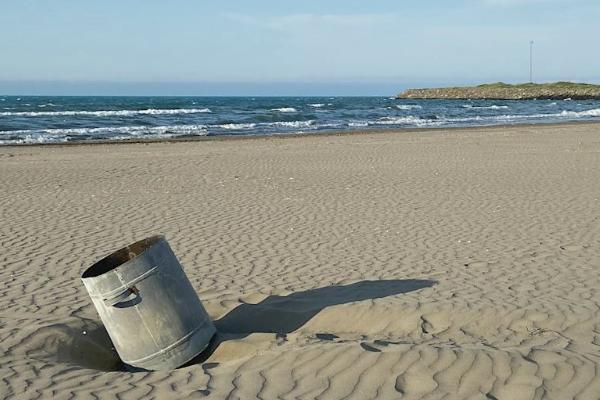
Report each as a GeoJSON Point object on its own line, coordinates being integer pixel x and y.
{"type": "Point", "coordinates": [237, 126]}
{"type": "Point", "coordinates": [285, 110]}
{"type": "Point", "coordinates": [492, 107]}
{"type": "Point", "coordinates": [520, 117]}
{"type": "Point", "coordinates": [133, 132]}
{"type": "Point", "coordinates": [409, 120]}
{"type": "Point", "coordinates": [32, 139]}
{"type": "Point", "coordinates": [104, 133]}
{"type": "Point", "coordinates": [486, 119]}
{"type": "Point", "coordinates": [291, 124]}
{"type": "Point", "coordinates": [595, 112]}
{"type": "Point", "coordinates": [317, 105]}
{"type": "Point", "coordinates": [106, 113]}
{"type": "Point", "coordinates": [587, 113]}
{"type": "Point", "coordinates": [408, 106]}
{"type": "Point", "coordinates": [266, 125]}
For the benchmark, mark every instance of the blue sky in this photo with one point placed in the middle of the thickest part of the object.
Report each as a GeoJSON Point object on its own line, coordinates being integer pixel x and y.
{"type": "Point", "coordinates": [283, 47]}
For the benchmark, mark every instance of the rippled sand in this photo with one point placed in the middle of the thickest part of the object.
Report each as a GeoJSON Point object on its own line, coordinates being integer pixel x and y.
{"type": "Point", "coordinates": [455, 264]}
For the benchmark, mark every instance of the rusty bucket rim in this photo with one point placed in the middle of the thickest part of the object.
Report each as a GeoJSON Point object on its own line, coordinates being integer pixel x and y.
{"type": "Point", "coordinates": [121, 257]}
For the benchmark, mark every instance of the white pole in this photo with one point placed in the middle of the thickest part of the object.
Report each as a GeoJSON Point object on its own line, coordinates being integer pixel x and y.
{"type": "Point", "coordinates": [531, 61]}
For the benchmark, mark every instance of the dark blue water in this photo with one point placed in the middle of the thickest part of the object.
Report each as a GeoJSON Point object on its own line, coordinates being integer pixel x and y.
{"type": "Point", "coordinates": [64, 119]}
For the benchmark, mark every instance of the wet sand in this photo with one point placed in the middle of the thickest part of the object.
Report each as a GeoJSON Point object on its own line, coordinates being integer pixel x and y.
{"type": "Point", "coordinates": [458, 264]}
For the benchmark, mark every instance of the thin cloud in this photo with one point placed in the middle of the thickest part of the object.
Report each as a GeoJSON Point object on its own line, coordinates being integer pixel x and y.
{"type": "Point", "coordinates": [517, 2]}
{"type": "Point", "coordinates": [285, 22]}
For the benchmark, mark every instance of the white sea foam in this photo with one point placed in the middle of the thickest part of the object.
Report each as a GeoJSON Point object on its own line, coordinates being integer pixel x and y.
{"type": "Point", "coordinates": [409, 120]}
{"type": "Point", "coordinates": [31, 139]}
{"type": "Point", "coordinates": [285, 110]}
{"type": "Point", "coordinates": [278, 124]}
{"type": "Point", "coordinates": [588, 113]}
{"type": "Point", "coordinates": [291, 124]}
{"type": "Point", "coordinates": [429, 122]}
{"type": "Point", "coordinates": [408, 106]}
{"type": "Point", "coordinates": [106, 113]}
{"type": "Point", "coordinates": [516, 118]}
{"type": "Point", "coordinates": [145, 132]}
{"type": "Point", "coordinates": [361, 124]}
{"type": "Point", "coordinates": [105, 133]}
{"type": "Point", "coordinates": [503, 118]}
{"type": "Point", "coordinates": [237, 126]}
{"type": "Point", "coordinates": [317, 105]}
{"type": "Point", "coordinates": [492, 107]}
{"type": "Point", "coordinates": [330, 125]}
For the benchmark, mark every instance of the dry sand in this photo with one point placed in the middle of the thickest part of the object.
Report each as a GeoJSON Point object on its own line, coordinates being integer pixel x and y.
{"type": "Point", "coordinates": [455, 264]}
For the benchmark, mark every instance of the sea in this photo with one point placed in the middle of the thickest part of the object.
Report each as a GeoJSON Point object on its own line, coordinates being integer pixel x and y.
{"type": "Point", "coordinates": [54, 119]}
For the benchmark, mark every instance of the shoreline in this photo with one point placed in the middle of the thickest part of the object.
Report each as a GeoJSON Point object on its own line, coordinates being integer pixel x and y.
{"type": "Point", "coordinates": [324, 133]}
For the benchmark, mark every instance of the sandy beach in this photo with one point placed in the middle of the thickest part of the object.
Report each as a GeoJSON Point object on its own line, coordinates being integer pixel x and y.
{"type": "Point", "coordinates": [455, 264]}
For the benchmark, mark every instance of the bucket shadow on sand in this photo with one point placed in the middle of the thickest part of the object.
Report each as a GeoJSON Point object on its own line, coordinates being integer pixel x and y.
{"type": "Point", "coordinates": [85, 343]}
{"type": "Point", "coordinates": [285, 314]}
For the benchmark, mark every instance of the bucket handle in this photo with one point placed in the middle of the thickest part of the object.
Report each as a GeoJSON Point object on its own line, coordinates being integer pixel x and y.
{"type": "Point", "coordinates": [123, 293]}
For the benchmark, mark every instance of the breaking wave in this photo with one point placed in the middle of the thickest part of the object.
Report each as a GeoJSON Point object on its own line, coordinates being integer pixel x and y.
{"type": "Point", "coordinates": [588, 113]}
{"type": "Point", "coordinates": [408, 107]}
{"type": "Point", "coordinates": [492, 107]}
{"type": "Point", "coordinates": [236, 126]}
{"type": "Point", "coordinates": [410, 120]}
{"type": "Point", "coordinates": [107, 113]}
{"type": "Point", "coordinates": [285, 110]}
{"type": "Point", "coordinates": [106, 133]}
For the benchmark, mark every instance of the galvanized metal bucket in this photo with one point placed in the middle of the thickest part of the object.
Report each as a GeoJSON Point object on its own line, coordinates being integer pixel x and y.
{"type": "Point", "coordinates": [148, 306]}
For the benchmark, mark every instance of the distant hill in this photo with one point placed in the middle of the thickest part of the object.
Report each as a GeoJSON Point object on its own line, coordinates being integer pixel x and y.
{"type": "Point", "coordinates": [505, 91]}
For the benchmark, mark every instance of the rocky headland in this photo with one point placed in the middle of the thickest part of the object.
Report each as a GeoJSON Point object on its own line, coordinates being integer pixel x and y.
{"type": "Point", "coordinates": [504, 91]}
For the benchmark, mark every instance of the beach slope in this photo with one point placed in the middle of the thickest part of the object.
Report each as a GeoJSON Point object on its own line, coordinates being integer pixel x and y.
{"type": "Point", "coordinates": [456, 264]}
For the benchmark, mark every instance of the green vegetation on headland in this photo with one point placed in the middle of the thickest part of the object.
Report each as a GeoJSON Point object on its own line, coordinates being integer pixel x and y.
{"type": "Point", "coordinates": [505, 91]}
